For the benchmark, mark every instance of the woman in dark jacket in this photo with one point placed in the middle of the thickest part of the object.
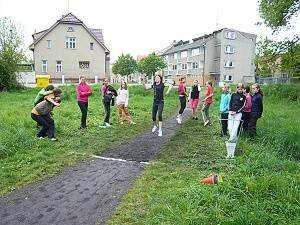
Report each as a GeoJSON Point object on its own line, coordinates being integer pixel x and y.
{"type": "Point", "coordinates": [257, 108]}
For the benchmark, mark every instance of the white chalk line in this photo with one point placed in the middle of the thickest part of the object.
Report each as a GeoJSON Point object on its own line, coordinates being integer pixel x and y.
{"type": "Point", "coordinates": [119, 160]}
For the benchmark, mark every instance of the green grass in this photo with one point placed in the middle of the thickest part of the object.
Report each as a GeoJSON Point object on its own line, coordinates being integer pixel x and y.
{"type": "Point", "coordinates": [25, 159]}
{"type": "Point", "coordinates": [261, 185]}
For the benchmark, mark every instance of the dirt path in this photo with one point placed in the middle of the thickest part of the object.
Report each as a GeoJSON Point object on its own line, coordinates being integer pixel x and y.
{"type": "Point", "coordinates": [87, 193]}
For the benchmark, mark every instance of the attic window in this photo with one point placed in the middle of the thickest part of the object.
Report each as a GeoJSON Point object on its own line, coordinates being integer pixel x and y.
{"type": "Point", "coordinates": [70, 29]}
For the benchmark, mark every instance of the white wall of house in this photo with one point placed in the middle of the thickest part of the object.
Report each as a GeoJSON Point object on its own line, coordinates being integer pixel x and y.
{"type": "Point", "coordinates": [69, 57]}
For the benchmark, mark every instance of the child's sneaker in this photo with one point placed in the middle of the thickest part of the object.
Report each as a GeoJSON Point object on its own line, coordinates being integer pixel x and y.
{"type": "Point", "coordinates": [206, 122]}
{"type": "Point", "coordinates": [159, 133]}
{"type": "Point", "coordinates": [154, 129]}
{"type": "Point", "coordinates": [41, 138]}
{"type": "Point", "coordinates": [133, 123]}
{"type": "Point", "coordinates": [53, 139]}
{"type": "Point", "coordinates": [108, 125]}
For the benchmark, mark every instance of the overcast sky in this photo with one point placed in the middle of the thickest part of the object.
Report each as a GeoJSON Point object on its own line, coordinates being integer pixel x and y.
{"type": "Point", "coordinates": [139, 26]}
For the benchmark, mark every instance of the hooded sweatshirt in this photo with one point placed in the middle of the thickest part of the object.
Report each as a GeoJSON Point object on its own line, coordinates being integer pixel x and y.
{"type": "Point", "coordinates": [84, 91]}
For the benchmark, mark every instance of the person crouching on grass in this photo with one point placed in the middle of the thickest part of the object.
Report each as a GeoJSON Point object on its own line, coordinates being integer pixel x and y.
{"type": "Point", "coordinates": [41, 113]}
{"type": "Point", "coordinates": [236, 105]}
{"type": "Point", "coordinates": [224, 107]}
{"type": "Point", "coordinates": [108, 93]}
{"type": "Point", "coordinates": [83, 91]}
{"type": "Point", "coordinates": [194, 99]}
{"type": "Point", "coordinates": [122, 103]}
{"type": "Point", "coordinates": [257, 109]}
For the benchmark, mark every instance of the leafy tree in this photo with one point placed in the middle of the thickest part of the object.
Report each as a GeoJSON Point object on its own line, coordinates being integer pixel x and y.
{"type": "Point", "coordinates": [11, 53]}
{"type": "Point", "coordinates": [151, 64]}
{"type": "Point", "coordinates": [278, 13]}
{"type": "Point", "coordinates": [125, 65]}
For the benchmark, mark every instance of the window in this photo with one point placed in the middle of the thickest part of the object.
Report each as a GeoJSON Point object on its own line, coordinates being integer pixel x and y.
{"type": "Point", "coordinates": [228, 78]}
{"type": "Point", "coordinates": [231, 35]}
{"type": "Point", "coordinates": [174, 67]}
{"type": "Point", "coordinates": [184, 66]}
{"type": "Point", "coordinates": [195, 51]}
{"type": "Point", "coordinates": [58, 66]}
{"type": "Point", "coordinates": [229, 49]}
{"type": "Point", "coordinates": [175, 55]}
{"type": "Point", "coordinates": [44, 66]}
{"type": "Point", "coordinates": [49, 44]}
{"type": "Point", "coordinates": [195, 65]}
{"type": "Point", "coordinates": [91, 46]}
{"type": "Point", "coordinates": [71, 42]}
{"type": "Point", "coordinates": [166, 58]}
{"type": "Point", "coordinates": [228, 63]}
{"type": "Point", "coordinates": [70, 29]}
{"type": "Point", "coordinates": [84, 64]}
{"type": "Point", "coordinates": [183, 54]}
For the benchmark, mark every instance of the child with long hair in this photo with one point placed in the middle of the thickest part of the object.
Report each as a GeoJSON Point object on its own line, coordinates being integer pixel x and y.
{"type": "Point", "coordinates": [83, 92]}
{"type": "Point", "coordinates": [224, 107]}
{"type": "Point", "coordinates": [108, 93]}
{"type": "Point", "coordinates": [122, 103]}
{"type": "Point", "coordinates": [207, 102]}
{"type": "Point", "coordinates": [256, 110]}
{"type": "Point", "coordinates": [246, 115]}
{"type": "Point", "coordinates": [236, 105]}
{"type": "Point", "coordinates": [194, 99]}
{"type": "Point", "coordinates": [182, 99]}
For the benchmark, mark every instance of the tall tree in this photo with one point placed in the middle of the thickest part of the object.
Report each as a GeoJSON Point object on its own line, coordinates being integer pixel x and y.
{"type": "Point", "coordinates": [125, 65]}
{"type": "Point", "coordinates": [278, 13]}
{"type": "Point", "coordinates": [11, 53]}
{"type": "Point", "coordinates": [151, 64]}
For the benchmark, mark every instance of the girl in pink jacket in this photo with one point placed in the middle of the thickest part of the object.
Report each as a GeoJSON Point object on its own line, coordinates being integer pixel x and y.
{"type": "Point", "coordinates": [83, 91]}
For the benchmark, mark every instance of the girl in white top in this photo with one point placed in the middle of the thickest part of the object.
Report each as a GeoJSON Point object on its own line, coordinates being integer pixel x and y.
{"type": "Point", "coordinates": [122, 103]}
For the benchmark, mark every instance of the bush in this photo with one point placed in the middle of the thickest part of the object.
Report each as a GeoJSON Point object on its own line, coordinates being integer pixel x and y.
{"type": "Point", "coordinates": [283, 91]}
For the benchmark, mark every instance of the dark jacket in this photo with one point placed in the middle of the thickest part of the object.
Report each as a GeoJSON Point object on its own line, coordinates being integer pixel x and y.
{"type": "Point", "coordinates": [257, 105]}
{"type": "Point", "coordinates": [237, 102]}
{"type": "Point", "coordinates": [195, 92]}
{"type": "Point", "coordinates": [45, 107]}
{"type": "Point", "coordinates": [158, 92]}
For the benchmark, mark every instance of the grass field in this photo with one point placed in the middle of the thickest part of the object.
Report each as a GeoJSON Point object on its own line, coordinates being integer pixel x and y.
{"type": "Point", "coordinates": [25, 159]}
{"type": "Point", "coordinates": [261, 184]}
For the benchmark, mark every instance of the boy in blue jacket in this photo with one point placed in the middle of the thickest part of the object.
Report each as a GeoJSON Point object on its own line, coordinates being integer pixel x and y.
{"type": "Point", "coordinates": [224, 107]}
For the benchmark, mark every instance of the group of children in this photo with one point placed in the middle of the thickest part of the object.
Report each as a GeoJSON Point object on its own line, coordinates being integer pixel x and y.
{"type": "Point", "coordinates": [237, 110]}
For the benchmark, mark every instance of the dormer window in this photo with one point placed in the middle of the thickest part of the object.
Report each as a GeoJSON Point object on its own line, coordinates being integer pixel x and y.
{"type": "Point", "coordinates": [231, 35]}
{"type": "Point", "coordinates": [70, 29]}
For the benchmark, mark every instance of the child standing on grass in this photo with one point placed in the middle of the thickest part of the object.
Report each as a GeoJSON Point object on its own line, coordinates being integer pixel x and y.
{"type": "Point", "coordinates": [207, 102]}
{"type": "Point", "coordinates": [41, 113]}
{"type": "Point", "coordinates": [236, 105]}
{"type": "Point", "coordinates": [158, 103]}
{"type": "Point", "coordinates": [247, 109]}
{"type": "Point", "coordinates": [256, 110]}
{"type": "Point", "coordinates": [83, 91]}
{"type": "Point", "coordinates": [182, 99]}
{"type": "Point", "coordinates": [42, 94]}
{"type": "Point", "coordinates": [107, 92]}
{"type": "Point", "coordinates": [224, 107]}
{"type": "Point", "coordinates": [122, 103]}
{"type": "Point", "coordinates": [194, 99]}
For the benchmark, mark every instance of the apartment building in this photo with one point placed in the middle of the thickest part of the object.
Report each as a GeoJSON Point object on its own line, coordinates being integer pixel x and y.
{"type": "Point", "coordinates": [226, 55]}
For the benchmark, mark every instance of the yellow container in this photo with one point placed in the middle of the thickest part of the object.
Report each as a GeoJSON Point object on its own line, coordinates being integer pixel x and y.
{"type": "Point", "coordinates": [42, 80]}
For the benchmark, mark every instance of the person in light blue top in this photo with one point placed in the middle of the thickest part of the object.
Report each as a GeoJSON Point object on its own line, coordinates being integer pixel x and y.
{"type": "Point", "coordinates": [224, 107]}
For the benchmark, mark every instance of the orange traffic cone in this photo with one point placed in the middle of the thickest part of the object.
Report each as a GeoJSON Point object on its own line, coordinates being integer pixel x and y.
{"type": "Point", "coordinates": [212, 179]}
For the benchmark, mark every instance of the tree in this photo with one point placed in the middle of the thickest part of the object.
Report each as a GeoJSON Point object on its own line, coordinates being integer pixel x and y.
{"type": "Point", "coordinates": [125, 65]}
{"type": "Point", "coordinates": [151, 64]}
{"type": "Point", "coordinates": [11, 53]}
{"type": "Point", "coordinates": [281, 55]}
{"type": "Point", "coordinates": [277, 14]}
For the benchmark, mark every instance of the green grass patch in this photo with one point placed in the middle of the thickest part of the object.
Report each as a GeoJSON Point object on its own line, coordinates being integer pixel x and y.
{"type": "Point", "coordinates": [24, 158]}
{"type": "Point", "coordinates": [261, 184]}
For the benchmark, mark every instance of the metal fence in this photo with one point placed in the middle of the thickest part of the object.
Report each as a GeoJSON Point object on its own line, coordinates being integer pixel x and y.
{"type": "Point", "coordinates": [283, 79]}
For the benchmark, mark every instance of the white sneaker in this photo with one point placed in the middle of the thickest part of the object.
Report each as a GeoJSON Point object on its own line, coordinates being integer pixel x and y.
{"type": "Point", "coordinates": [107, 124]}
{"type": "Point", "coordinates": [179, 120]}
{"type": "Point", "coordinates": [206, 122]}
{"type": "Point", "coordinates": [154, 129]}
{"type": "Point", "coordinates": [159, 133]}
